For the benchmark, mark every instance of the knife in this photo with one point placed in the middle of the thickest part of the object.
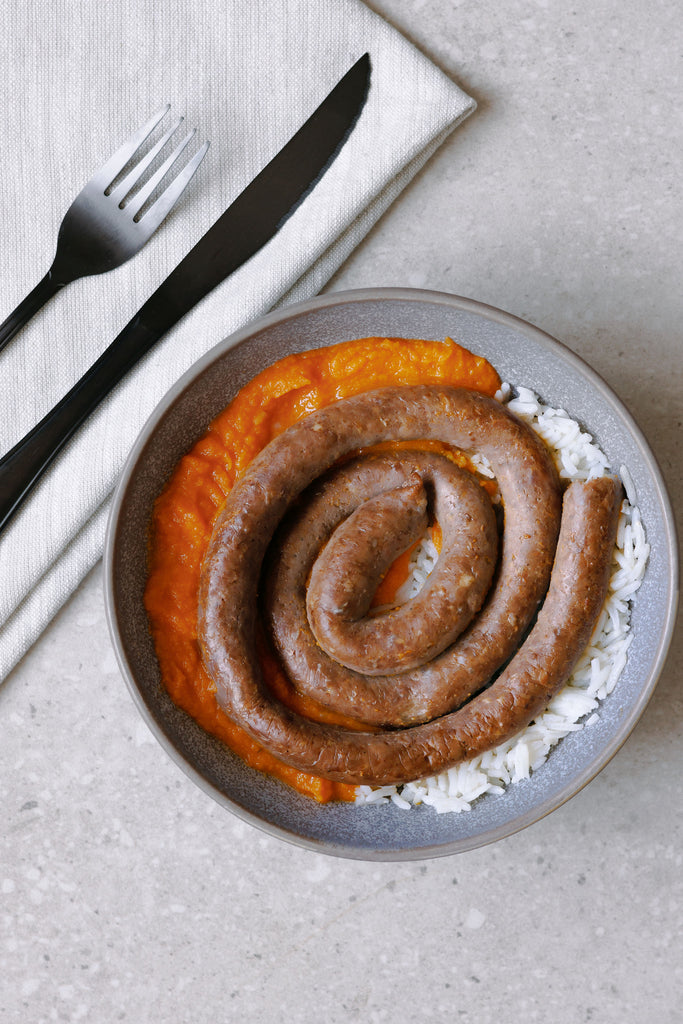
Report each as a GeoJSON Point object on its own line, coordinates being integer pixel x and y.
{"type": "Point", "coordinates": [249, 222]}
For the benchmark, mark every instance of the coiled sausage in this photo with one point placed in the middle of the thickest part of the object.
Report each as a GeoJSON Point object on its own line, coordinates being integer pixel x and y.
{"type": "Point", "coordinates": [531, 498]}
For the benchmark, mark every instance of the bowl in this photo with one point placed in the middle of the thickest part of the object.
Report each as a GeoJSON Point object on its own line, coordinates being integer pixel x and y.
{"type": "Point", "coordinates": [523, 355]}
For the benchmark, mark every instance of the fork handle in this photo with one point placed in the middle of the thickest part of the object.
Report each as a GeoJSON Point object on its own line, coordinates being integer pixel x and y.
{"type": "Point", "coordinates": [34, 301]}
{"type": "Point", "coordinates": [22, 467]}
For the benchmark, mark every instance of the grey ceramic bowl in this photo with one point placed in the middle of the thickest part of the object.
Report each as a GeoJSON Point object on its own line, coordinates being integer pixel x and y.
{"type": "Point", "coordinates": [522, 354]}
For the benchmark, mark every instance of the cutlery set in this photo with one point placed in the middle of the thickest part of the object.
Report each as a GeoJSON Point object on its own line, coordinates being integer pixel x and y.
{"type": "Point", "coordinates": [109, 222]}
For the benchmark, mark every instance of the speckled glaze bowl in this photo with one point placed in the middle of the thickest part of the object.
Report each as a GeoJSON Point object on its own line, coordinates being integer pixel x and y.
{"type": "Point", "coordinates": [522, 354]}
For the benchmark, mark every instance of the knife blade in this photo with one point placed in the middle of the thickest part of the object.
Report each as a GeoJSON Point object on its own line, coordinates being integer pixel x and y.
{"type": "Point", "coordinates": [248, 223]}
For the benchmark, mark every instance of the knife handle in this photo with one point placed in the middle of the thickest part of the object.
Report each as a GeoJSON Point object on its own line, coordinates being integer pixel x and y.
{"type": "Point", "coordinates": [22, 467]}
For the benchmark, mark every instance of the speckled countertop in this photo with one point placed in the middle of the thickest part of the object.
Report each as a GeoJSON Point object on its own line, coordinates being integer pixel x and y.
{"type": "Point", "coordinates": [127, 894]}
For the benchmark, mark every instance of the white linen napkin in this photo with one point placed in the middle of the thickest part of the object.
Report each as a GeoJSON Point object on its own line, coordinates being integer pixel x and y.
{"type": "Point", "coordinates": [246, 74]}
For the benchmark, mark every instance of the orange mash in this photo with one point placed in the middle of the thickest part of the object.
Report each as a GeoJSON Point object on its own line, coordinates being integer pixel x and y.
{"type": "Point", "coordinates": [185, 512]}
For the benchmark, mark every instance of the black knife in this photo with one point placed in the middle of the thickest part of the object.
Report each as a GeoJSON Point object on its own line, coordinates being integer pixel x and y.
{"type": "Point", "coordinates": [245, 227]}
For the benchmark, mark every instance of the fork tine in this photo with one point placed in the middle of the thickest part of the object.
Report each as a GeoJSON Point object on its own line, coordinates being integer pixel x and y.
{"type": "Point", "coordinates": [137, 202]}
{"type": "Point", "coordinates": [118, 194]}
{"type": "Point", "coordinates": [115, 164]}
{"type": "Point", "coordinates": [160, 208]}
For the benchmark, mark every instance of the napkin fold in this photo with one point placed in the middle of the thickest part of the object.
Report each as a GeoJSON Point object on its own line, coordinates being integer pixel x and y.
{"type": "Point", "coordinates": [246, 75]}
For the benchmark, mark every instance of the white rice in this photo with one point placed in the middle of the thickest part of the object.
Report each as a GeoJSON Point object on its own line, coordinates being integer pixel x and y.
{"type": "Point", "coordinates": [576, 706]}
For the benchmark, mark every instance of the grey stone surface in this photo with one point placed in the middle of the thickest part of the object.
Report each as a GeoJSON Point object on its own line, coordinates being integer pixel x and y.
{"type": "Point", "coordinates": [128, 894]}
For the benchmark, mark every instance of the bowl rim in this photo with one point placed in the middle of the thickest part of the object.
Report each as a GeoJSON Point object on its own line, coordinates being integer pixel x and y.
{"type": "Point", "coordinates": [391, 294]}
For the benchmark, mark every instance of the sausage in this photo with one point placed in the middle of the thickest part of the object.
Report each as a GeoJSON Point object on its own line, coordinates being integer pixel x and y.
{"type": "Point", "coordinates": [567, 618]}
{"type": "Point", "coordinates": [531, 497]}
{"type": "Point", "coordinates": [229, 583]}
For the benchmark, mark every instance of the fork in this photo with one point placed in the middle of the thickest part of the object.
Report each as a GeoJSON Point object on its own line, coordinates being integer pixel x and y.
{"type": "Point", "coordinates": [106, 224]}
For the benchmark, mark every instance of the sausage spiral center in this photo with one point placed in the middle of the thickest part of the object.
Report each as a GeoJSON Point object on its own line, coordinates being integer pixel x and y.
{"type": "Point", "coordinates": [385, 670]}
{"type": "Point", "coordinates": [346, 574]}
{"type": "Point", "coordinates": [384, 679]}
